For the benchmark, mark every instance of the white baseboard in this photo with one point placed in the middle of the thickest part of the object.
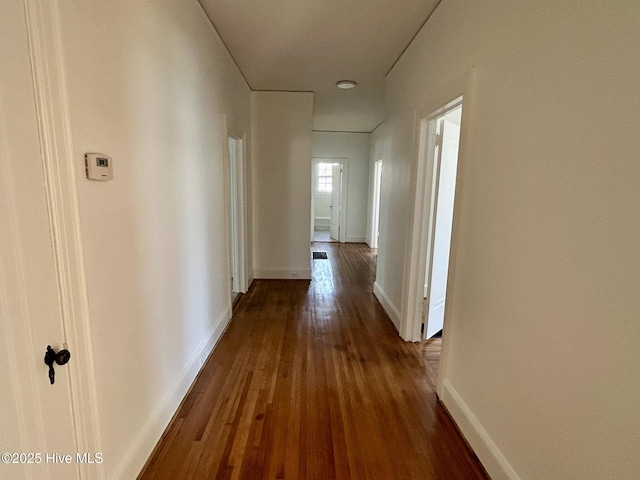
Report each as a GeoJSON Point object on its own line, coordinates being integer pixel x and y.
{"type": "Point", "coordinates": [487, 452]}
{"type": "Point", "coordinates": [283, 273]}
{"type": "Point", "coordinates": [143, 445]}
{"type": "Point", "coordinates": [387, 304]}
{"type": "Point", "coordinates": [355, 239]}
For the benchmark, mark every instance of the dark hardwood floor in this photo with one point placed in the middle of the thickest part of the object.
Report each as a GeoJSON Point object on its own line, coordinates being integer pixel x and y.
{"type": "Point", "coordinates": [311, 381]}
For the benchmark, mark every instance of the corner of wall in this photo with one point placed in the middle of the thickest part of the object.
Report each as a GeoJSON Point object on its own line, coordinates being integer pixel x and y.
{"type": "Point", "coordinates": [387, 305]}
{"type": "Point", "coordinates": [493, 460]}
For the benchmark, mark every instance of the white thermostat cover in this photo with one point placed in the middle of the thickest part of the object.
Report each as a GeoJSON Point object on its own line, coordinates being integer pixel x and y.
{"type": "Point", "coordinates": [98, 166]}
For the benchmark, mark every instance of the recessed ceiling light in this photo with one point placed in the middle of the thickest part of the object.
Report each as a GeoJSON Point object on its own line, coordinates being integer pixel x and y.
{"type": "Point", "coordinates": [346, 84]}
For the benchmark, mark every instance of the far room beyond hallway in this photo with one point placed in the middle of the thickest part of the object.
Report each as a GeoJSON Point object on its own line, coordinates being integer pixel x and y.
{"type": "Point", "coordinates": [311, 381]}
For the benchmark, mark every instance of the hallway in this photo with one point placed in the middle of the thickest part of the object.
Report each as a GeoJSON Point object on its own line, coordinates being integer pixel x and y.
{"type": "Point", "coordinates": [310, 381]}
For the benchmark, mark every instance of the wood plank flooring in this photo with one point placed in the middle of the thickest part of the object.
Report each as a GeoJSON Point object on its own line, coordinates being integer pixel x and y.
{"type": "Point", "coordinates": [311, 381]}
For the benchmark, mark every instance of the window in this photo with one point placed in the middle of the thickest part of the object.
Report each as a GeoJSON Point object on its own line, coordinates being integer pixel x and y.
{"type": "Point", "coordinates": [325, 180]}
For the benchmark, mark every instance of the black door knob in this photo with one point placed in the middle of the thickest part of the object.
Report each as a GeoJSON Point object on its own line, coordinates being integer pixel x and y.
{"type": "Point", "coordinates": [61, 358]}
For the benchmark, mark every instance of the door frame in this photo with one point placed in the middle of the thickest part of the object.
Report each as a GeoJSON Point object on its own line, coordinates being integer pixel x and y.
{"type": "Point", "coordinates": [421, 236]}
{"type": "Point", "coordinates": [238, 208]}
{"type": "Point", "coordinates": [343, 192]}
{"type": "Point", "coordinates": [375, 205]}
{"type": "Point", "coordinates": [61, 169]}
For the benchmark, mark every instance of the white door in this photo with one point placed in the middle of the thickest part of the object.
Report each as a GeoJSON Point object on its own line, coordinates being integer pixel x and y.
{"type": "Point", "coordinates": [447, 164]}
{"type": "Point", "coordinates": [35, 416]}
{"type": "Point", "coordinates": [336, 194]}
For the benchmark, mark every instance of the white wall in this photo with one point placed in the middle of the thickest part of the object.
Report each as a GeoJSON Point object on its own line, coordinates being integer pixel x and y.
{"type": "Point", "coordinates": [282, 183]}
{"type": "Point", "coordinates": [541, 329]}
{"type": "Point", "coordinates": [355, 148]}
{"type": "Point", "coordinates": [321, 204]}
{"type": "Point", "coordinates": [148, 84]}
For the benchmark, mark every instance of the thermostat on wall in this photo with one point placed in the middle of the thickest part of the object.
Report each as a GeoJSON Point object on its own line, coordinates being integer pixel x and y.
{"type": "Point", "coordinates": [98, 166]}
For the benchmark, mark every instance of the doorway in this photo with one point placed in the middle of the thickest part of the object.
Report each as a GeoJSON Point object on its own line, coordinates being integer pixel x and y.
{"type": "Point", "coordinates": [445, 152]}
{"type": "Point", "coordinates": [328, 200]}
{"type": "Point", "coordinates": [375, 207]}
{"type": "Point", "coordinates": [428, 267]}
{"type": "Point", "coordinates": [237, 214]}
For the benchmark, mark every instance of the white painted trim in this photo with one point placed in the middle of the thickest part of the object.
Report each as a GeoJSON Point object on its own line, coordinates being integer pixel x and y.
{"type": "Point", "coordinates": [283, 273]}
{"type": "Point", "coordinates": [240, 211]}
{"type": "Point", "coordinates": [244, 212]}
{"type": "Point", "coordinates": [227, 208]}
{"type": "Point", "coordinates": [373, 225]}
{"type": "Point", "coordinates": [488, 453]}
{"type": "Point", "coordinates": [312, 212]}
{"type": "Point", "coordinates": [416, 249]}
{"type": "Point", "coordinates": [356, 239]}
{"type": "Point", "coordinates": [45, 41]}
{"type": "Point", "coordinates": [144, 443]}
{"type": "Point", "coordinates": [423, 221]}
{"type": "Point", "coordinates": [387, 304]}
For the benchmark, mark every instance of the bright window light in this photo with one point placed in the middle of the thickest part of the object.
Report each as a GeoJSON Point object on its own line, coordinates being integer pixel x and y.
{"type": "Point", "coordinates": [325, 180]}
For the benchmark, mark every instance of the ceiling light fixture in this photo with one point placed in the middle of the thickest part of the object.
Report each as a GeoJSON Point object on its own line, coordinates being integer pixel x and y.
{"type": "Point", "coordinates": [346, 84]}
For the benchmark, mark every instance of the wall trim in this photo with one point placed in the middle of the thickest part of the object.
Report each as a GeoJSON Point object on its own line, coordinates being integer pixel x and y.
{"type": "Point", "coordinates": [240, 211]}
{"type": "Point", "coordinates": [58, 162]}
{"type": "Point", "coordinates": [283, 273]}
{"type": "Point", "coordinates": [356, 239]}
{"type": "Point", "coordinates": [493, 460]}
{"type": "Point", "coordinates": [143, 445]}
{"type": "Point", "coordinates": [387, 304]}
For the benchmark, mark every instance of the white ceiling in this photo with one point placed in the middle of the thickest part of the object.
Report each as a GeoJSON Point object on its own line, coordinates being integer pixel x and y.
{"type": "Point", "coordinates": [306, 45]}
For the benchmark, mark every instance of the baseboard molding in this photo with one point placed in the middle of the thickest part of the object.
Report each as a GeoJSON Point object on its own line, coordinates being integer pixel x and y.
{"type": "Point", "coordinates": [387, 304]}
{"type": "Point", "coordinates": [283, 273]}
{"type": "Point", "coordinates": [356, 239]}
{"type": "Point", "coordinates": [494, 462]}
{"type": "Point", "coordinates": [143, 445]}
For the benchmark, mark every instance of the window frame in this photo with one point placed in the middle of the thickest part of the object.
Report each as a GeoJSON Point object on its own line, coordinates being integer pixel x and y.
{"type": "Point", "coordinates": [324, 181]}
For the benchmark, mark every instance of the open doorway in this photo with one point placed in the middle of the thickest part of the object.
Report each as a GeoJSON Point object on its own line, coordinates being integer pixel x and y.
{"type": "Point", "coordinates": [428, 267]}
{"type": "Point", "coordinates": [328, 212]}
{"type": "Point", "coordinates": [237, 215]}
{"type": "Point", "coordinates": [445, 153]}
{"type": "Point", "coordinates": [375, 207]}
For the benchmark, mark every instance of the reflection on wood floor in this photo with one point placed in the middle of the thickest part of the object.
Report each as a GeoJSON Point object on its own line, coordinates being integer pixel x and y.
{"type": "Point", "coordinates": [311, 381]}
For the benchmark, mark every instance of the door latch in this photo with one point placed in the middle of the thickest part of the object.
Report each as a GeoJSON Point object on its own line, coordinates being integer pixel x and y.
{"type": "Point", "coordinates": [61, 358]}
